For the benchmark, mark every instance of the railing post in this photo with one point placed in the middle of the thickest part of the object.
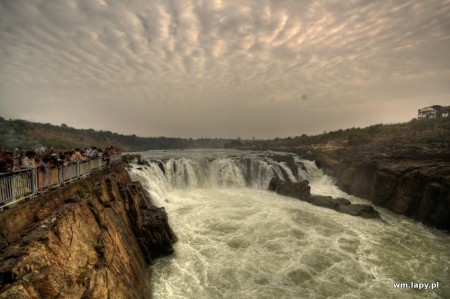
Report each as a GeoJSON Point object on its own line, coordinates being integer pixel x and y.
{"type": "Point", "coordinates": [38, 179]}
{"type": "Point", "coordinates": [60, 180]}
{"type": "Point", "coordinates": [32, 180]}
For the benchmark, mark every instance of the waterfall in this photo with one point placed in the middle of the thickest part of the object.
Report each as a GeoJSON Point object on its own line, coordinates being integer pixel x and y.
{"type": "Point", "coordinates": [238, 241]}
{"type": "Point", "coordinates": [224, 172]}
{"type": "Point", "coordinates": [164, 174]}
{"type": "Point", "coordinates": [152, 179]}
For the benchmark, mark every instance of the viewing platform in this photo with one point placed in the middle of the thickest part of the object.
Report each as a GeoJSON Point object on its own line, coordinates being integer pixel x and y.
{"type": "Point", "coordinates": [27, 183]}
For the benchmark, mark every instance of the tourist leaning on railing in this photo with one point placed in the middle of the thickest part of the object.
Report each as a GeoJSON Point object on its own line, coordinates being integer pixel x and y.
{"type": "Point", "coordinates": [18, 155]}
{"type": "Point", "coordinates": [7, 163]}
{"type": "Point", "coordinates": [77, 157]}
{"type": "Point", "coordinates": [67, 157]}
{"type": "Point", "coordinates": [28, 161]}
{"type": "Point", "coordinates": [43, 173]}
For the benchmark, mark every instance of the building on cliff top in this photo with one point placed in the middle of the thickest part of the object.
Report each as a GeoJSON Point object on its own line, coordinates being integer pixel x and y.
{"type": "Point", "coordinates": [435, 111]}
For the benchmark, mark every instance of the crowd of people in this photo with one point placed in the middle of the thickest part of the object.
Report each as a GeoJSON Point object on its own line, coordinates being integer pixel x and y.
{"type": "Point", "coordinates": [45, 158]}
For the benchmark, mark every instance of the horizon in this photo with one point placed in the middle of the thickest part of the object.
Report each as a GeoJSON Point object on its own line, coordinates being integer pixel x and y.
{"type": "Point", "coordinates": [216, 69]}
{"type": "Point", "coordinates": [216, 137]}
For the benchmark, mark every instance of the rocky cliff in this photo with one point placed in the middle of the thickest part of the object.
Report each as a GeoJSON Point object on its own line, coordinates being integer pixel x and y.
{"type": "Point", "coordinates": [414, 182]}
{"type": "Point", "coordinates": [93, 238]}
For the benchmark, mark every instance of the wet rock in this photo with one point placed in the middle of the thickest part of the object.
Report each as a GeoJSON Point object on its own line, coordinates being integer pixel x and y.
{"type": "Point", "coordinates": [299, 190]}
{"type": "Point", "coordinates": [343, 205]}
{"type": "Point", "coordinates": [361, 210]}
{"type": "Point", "coordinates": [128, 158]}
{"type": "Point", "coordinates": [142, 162]}
{"type": "Point", "coordinates": [325, 201]}
{"type": "Point", "coordinates": [161, 166]}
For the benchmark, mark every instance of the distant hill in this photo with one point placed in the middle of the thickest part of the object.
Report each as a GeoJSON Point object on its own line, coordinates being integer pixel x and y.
{"type": "Point", "coordinates": [434, 133]}
{"type": "Point", "coordinates": [31, 135]}
{"type": "Point", "coordinates": [431, 133]}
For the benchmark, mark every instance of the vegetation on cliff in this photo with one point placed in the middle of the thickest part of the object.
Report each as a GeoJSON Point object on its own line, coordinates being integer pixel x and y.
{"type": "Point", "coordinates": [27, 134]}
{"type": "Point", "coordinates": [433, 133]}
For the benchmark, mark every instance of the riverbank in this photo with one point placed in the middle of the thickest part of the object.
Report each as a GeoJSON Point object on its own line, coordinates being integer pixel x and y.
{"type": "Point", "coordinates": [92, 238]}
{"type": "Point", "coordinates": [410, 181]}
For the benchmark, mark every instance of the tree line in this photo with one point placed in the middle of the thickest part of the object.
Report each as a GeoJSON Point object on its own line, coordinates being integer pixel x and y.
{"type": "Point", "coordinates": [27, 134]}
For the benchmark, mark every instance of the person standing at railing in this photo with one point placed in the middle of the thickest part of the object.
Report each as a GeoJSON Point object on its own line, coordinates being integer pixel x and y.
{"type": "Point", "coordinates": [87, 152]}
{"type": "Point", "coordinates": [26, 181]}
{"type": "Point", "coordinates": [30, 163]}
{"type": "Point", "coordinates": [18, 155]}
{"type": "Point", "coordinates": [77, 157]}
{"type": "Point", "coordinates": [29, 160]}
{"type": "Point", "coordinates": [93, 154]}
{"type": "Point", "coordinates": [53, 170]}
{"type": "Point", "coordinates": [67, 158]}
{"type": "Point", "coordinates": [7, 163]}
{"type": "Point", "coordinates": [41, 172]}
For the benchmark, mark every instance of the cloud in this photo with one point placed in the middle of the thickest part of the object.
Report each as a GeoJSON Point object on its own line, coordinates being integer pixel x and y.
{"type": "Point", "coordinates": [214, 68]}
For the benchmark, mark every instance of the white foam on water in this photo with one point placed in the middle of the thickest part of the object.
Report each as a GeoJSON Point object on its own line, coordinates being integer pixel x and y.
{"type": "Point", "coordinates": [240, 242]}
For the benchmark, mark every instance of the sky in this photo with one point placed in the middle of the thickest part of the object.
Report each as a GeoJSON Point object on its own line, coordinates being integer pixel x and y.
{"type": "Point", "coordinates": [222, 68]}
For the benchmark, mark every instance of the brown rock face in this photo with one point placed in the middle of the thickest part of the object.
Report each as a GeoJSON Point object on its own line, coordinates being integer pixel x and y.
{"type": "Point", "coordinates": [91, 239]}
{"type": "Point", "coordinates": [416, 188]}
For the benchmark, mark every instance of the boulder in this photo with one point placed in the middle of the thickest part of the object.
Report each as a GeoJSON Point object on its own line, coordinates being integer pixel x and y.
{"type": "Point", "coordinates": [343, 205]}
{"type": "Point", "coordinates": [142, 162]}
{"type": "Point", "coordinates": [328, 201]}
{"type": "Point", "coordinates": [299, 190]}
{"type": "Point", "coordinates": [361, 210]}
{"type": "Point", "coordinates": [323, 201]}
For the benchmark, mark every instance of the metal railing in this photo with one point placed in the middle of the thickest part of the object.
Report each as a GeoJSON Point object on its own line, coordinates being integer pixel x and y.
{"type": "Point", "coordinates": [26, 183]}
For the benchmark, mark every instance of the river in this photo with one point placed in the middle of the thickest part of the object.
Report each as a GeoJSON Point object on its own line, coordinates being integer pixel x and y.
{"type": "Point", "coordinates": [238, 240]}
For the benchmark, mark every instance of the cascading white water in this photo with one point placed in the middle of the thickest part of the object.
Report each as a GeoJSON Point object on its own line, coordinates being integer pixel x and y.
{"type": "Point", "coordinates": [164, 174]}
{"type": "Point", "coordinates": [259, 172]}
{"type": "Point", "coordinates": [237, 240]}
{"type": "Point", "coordinates": [224, 172]}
